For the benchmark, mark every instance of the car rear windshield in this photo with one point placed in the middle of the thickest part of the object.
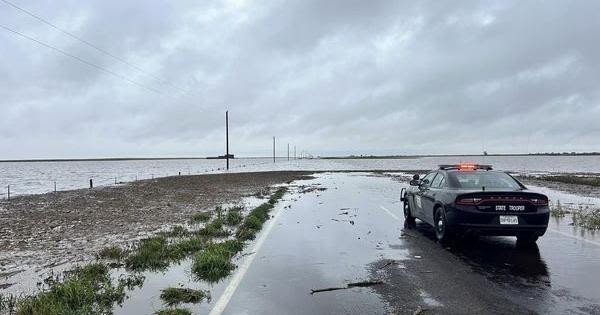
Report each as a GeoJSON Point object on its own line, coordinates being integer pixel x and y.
{"type": "Point", "coordinates": [477, 180]}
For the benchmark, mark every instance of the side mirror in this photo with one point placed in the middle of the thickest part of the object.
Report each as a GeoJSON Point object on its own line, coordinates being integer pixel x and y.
{"type": "Point", "coordinates": [415, 181]}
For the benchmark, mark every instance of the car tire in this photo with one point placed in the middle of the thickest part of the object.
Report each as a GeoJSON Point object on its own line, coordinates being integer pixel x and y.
{"type": "Point", "coordinates": [440, 225]}
{"type": "Point", "coordinates": [409, 220]}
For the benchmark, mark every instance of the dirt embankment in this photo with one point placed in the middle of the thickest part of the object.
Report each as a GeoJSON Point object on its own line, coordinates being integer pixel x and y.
{"type": "Point", "coordinates": [72, 225]}
{"type": "Point", "coordinates": [572, 188]}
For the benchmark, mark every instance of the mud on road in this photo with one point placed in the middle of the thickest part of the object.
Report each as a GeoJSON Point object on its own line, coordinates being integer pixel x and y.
{"type": "Point", "coordinates": [70, 226]}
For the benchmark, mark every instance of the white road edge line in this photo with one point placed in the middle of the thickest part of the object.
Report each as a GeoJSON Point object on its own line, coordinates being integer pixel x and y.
{"type": "Point", "coordinates": [390, 213]}
{"type": "Point", "coordinates": [237, 278]}
{"type": "Point", "coordinates": [575, 237]}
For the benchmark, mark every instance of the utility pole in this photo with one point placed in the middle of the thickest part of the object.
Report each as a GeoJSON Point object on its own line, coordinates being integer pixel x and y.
{"type": "Point", "coordinates": [288, 151]}
{"type": "Point", "coordinates": [273, 149]}
{"type": "Point", "coordinates": [227, 138]}
{"type": "Point", "coordinates": [294, 152]}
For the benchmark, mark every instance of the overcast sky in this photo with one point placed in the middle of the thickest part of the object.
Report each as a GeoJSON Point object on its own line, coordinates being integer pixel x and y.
{"type": "Point", "coordinates": [332, 77]}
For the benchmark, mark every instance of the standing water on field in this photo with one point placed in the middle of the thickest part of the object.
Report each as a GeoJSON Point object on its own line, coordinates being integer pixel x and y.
{"type": "Point", "coordinates": [40, 177]}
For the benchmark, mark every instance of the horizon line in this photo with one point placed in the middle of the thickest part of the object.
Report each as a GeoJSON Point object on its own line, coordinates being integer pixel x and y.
{"type": "Point", "coordinates": [351, 156]}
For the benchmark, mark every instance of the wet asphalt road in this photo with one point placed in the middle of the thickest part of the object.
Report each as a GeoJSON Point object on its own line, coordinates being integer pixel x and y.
{"type": "Point", "coordinates": [353, 232]}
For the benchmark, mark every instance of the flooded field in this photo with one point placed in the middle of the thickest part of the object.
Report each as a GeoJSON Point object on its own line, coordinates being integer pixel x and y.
{"type": "Point", "coordinates": [41, 177]}
{"type": "Point", "coordinates": [340, 247]}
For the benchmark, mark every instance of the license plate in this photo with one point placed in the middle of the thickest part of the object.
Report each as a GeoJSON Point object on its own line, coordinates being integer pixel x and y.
{"type": "Point", "coordinates": [509, 219]}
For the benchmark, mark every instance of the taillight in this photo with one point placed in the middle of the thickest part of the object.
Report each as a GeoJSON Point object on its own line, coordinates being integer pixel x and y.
{"type": "Point", "coordinates": [468, 201]}
{"type": "Point", "coordinates": [539, 201]}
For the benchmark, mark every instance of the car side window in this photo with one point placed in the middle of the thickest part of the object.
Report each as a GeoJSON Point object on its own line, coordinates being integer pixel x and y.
{"type": "Point", "coordinates": [428, 179]}
{"type": "Point", "coordinates": [438, 181]}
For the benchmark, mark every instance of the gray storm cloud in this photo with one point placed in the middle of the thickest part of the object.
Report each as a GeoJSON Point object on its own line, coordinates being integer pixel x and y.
{"type": "Point", "coordinates": [332, 77]}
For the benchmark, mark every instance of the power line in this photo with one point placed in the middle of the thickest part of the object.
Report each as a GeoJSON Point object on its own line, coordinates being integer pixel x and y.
{"type": "Point", "coordinates": [91, 64]}
{"type": "Point", "coordinates": [37, 17]}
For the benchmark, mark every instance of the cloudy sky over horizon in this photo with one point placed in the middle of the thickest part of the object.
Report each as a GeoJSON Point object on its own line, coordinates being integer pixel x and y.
{"type": "Point", "coordinates": [332, 77]}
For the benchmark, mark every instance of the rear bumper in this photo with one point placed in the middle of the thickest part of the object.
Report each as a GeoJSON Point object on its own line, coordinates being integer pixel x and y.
{"type": "Point", "coordinates": [468, 219]}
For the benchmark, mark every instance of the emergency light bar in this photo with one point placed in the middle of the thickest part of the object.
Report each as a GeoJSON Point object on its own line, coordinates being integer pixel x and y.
{"type": "Point", "coordinates": [465, 167]}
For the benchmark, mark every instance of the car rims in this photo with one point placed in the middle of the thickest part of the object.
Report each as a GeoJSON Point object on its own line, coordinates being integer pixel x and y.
{"type": "Point", "coordinates": [439, 225]}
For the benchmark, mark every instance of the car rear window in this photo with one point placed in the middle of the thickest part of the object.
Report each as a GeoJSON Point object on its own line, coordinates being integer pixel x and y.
{"type": "Point", "coordinates": [477, 180]}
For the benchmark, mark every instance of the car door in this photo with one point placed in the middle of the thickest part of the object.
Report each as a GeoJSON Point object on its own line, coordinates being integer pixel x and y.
{"type": "Point", "coordinates": [420, 200]}
{"type": "Point", "coordinates": [431, 195]}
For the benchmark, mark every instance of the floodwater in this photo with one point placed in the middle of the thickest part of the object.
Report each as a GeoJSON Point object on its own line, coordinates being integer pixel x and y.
{"type": "Point", "coordinates": [40, 177]}
{"type": "Point", "coordinates": [353, 231]}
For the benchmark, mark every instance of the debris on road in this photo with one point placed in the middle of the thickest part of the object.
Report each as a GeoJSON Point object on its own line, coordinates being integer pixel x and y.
{"type": "Point", "coordinates": [387, 264]}
{"type": "Point", "coordinates": [360, 284]}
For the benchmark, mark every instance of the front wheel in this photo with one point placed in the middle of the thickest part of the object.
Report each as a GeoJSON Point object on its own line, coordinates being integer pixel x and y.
{"type": "Point", "coordinates": [409, 220]}
{"type": "Point", "coordinates": [442, 232]}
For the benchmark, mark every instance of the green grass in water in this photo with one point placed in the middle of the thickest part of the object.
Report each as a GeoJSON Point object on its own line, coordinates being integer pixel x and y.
{"type": "Point", "coordinates": [174, 311]}
{"type": "Point", "coordinates": [174, 296]}
{"type": "Point", "coordinates": [234, 216]}
{"type": "Point", "coordinates": [214, 263]}
{"type": "Point", "coordinates": [152, 253]}
{"type": "Point", "coordinates": [112, 252]}
{"type": "Point", "coordinates": [85, 290]}
{"type": "Point", "coordinates": [202, 216]}
{"type": "Point", "coordinates": [587, 218]}
{"type": "Point", "coordinates": [214, 229]}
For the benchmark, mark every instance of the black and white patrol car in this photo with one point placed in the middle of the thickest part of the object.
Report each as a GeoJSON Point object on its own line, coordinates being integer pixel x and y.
{"type": "Point", "coordinates": [476, 200]}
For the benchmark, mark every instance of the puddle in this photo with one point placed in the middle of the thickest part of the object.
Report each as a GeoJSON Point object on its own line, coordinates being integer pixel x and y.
{"type": "Point", "coordinates": [429, 301]}
{"type": "Point", "coordinates": [146, 300]}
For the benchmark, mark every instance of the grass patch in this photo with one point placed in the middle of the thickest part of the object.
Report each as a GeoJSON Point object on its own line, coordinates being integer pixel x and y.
{"type": "Point", "coordinates": [85, 290]}
{"type": "Point", "coordinates": [589, 219]}
{"type": "Point", "coordinates": [214, 229]}
{"type": "Point", "coordinates": [234, 216]}
{"type": "Point", "coordinates": [156, 253]}
{"type": "Point", "coordinates": [558, 211]}
{"type": "Point", "coordinates": [277, 195]}
{"type": "Point", "coordinates": [174, 311]}
{"type": "Point", "coordinates": [253, 223]}
{"type": "Point", "coordinates": [186, 247]}
{"type": "Point", "coordinates": [202, 216]}
{"type": "Point", "coordinates": [112, 252]}
{"type": "Point", "coordinates": [152, 253]}
{"type": "Point", "coordinates": [214, 262]}
{"type": "Point", "coordinates": [174, 296]}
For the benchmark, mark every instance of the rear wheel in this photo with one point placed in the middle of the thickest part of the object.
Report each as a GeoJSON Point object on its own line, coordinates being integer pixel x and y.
{"type": "Point", "coordinates": [442, 232]}
{"type": "Point", "coordinates": [409, 220]}
{"type": "Point", "coordinates": [527, 239]}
